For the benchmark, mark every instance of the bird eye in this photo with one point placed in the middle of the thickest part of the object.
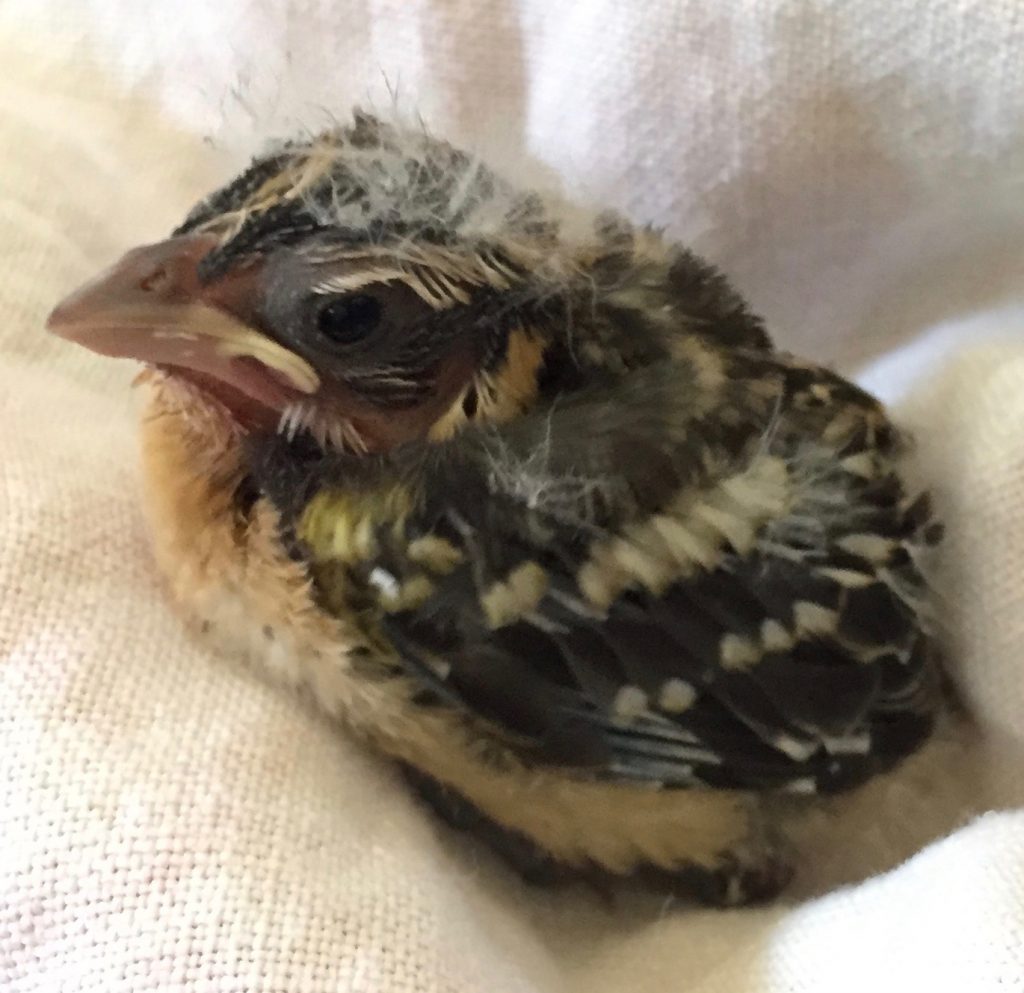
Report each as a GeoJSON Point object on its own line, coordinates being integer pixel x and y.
{"type": "Point", "coordinates": [346, 320]}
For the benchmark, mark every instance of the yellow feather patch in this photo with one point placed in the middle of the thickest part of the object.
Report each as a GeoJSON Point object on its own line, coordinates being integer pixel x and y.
{"type": "Point", "coordinates": [450, 421]}
{"type": "Point", "coordinates": [688, 545]}
{"type": "Point", "coordinates": [653, 570]}
{"type": "Point", "coordinates": [762, 491]}
{"type": "Point", "coordinates": [688, 535]}
{"type": "Point", "coordinates": [739, 531]}
{"type": "Point", "coordinates": [515, 596]}
{"type": "Point", "coordinates": [502, 394]}
{"type": "Point", "coordinates": [513, 387]}
{"type": "Point", "coordinates": [437, 554]}
{"type": "Point", "coordinates": [405, 596]}
{"type": "Point", "coordinates": [602, 579]}
{"type": "Point", "coordinates": [340, 525]}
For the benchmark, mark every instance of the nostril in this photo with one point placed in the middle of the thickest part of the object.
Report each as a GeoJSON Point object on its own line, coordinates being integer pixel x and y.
{"type": "Point", "coordinates": [157, 281]}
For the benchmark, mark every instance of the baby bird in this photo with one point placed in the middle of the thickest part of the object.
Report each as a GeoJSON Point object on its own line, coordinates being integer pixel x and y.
{"type": "Point", "coordinates": [524, 496]}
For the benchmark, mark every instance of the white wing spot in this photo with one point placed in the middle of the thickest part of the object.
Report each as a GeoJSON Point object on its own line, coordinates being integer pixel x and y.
{"type": "Point", "coordinates": [799, 751]}
{"type": "Point", "coordinates": [813, 618]}
{"type": "Point", "coordinates": [851, 744]}
{"type": "Point", "coordinates": [803, 787]}
{"type": "Point", "coordinates": [738, 653]}
{"type": "Point", "coordinates": [849, 578]}
{"type": "Point", "coordinates": [676, 696]}
{"type": "Point", "coordinates": [383, 581]}
{"type": "Point", "coordinates": [630, 701]}
{"type": "Point", "coordinates": [774, 637]}
{"type": "Point", "coordinates": [872, 547]}
{"type": "Point", "coordinates": [862, 465]}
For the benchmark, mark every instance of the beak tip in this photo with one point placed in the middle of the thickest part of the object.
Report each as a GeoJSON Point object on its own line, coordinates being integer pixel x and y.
{"type": "Point", "coordinates": [66, 317]}
{"type": "Point", "coordinates": [53, 320]}
{"type": "Point", "coordinates": [57, 320]}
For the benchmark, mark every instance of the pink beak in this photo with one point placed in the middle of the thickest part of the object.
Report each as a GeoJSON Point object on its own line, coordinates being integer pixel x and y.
{"type": "Point", "coordinates": [152, 307]}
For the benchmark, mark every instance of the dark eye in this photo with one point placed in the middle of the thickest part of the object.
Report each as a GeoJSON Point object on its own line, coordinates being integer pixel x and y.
{"type": "Point", "coordinates": [346, 320]}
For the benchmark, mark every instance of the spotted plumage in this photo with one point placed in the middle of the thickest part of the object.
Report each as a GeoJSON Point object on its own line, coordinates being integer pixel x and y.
{"type": "Point", "coordinates": [549, 519]}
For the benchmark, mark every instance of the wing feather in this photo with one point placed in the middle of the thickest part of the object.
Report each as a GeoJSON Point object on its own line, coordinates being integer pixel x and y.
{"type": "Point", "coordinates": [631, 592]}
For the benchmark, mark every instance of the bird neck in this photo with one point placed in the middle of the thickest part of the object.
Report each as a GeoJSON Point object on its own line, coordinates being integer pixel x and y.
{"type": "Point", "coordinates": [192, 469]}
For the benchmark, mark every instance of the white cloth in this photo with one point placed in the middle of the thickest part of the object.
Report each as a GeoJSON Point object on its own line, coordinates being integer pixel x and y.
{"type": "Point", "coordinates": [167, 821]}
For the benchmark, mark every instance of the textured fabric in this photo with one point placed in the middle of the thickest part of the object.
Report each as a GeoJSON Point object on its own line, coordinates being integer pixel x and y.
{"type": "Point", "coordinates": [169, 822]}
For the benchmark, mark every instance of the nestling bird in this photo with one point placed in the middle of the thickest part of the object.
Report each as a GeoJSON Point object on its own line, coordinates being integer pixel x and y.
{"type": "Point", "coordinates": [525, 497]}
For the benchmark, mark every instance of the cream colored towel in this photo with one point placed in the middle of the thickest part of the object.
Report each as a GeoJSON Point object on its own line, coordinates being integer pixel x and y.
{"type": "Point", "coordinates": [166, 821]}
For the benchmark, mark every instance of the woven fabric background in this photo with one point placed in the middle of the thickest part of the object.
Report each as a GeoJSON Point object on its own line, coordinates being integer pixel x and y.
{"type": "Point", "coordinates": [169, 822]}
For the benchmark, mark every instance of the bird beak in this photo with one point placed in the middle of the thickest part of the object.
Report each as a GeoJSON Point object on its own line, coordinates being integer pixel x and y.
{"type": "Point", "coordinates": [151, 306]}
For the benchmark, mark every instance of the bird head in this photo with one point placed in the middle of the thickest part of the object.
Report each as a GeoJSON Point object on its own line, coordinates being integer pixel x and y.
{"type": "Point", "coordinates": [370, 286]}
{"type": "Point", "coordinates": [374, 285]}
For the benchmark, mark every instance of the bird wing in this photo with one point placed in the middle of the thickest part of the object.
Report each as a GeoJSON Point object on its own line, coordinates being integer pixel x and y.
{"type": "Point", "coordinates": [688, 583]}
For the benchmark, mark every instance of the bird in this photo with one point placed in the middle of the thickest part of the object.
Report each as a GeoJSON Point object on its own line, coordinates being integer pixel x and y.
{"type": "Point", "coordinates": [522, 495]}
